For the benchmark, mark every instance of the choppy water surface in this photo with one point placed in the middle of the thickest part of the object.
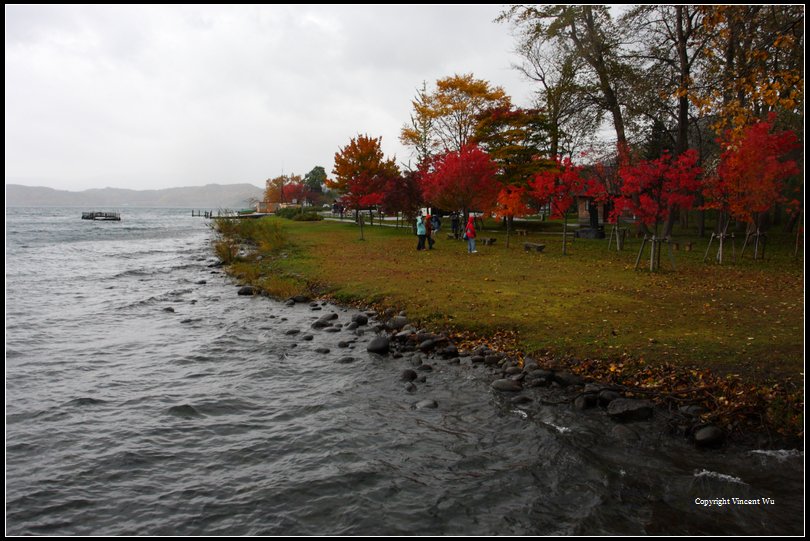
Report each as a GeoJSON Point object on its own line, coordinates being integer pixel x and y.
{"type": "Point", "coordinates": [125, 417]}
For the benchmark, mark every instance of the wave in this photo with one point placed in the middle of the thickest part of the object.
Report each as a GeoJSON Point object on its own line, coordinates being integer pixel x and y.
{"type": "Point", "coordinates": [185, 411]}
{"type": "Point", "coordinates": [719, 476]}
{"type": "Point", "coordinates": [85, 401]}
{"type": "Point", "coordinates": [778, 454]}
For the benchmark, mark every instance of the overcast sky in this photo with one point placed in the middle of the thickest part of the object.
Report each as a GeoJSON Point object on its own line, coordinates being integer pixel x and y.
{"type": "Point", "coordinates": [163, 96]}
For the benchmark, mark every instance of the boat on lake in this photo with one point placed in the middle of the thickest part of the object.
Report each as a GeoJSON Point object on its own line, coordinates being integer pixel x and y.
{"type": "Point", "coordinates": [103, 216]}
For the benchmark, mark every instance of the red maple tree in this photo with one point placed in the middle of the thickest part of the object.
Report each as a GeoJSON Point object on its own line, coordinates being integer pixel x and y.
{"type": "Point", "coordinates": [296, 192]}
{"type": "Point", "coordinates": [558, 188]}
{"type": "Point", "coordinates": [463, 179]}
{"type": "Point", "coordinates": [652, 189]}
{"type": "Point", "coordinates": [750, 176]}
{"type": "Point", "coordinates": [403, 194]}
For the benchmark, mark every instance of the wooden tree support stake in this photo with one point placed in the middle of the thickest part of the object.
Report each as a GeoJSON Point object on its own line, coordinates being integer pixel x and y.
{"type": "Point", "coordinates": [655, 252]}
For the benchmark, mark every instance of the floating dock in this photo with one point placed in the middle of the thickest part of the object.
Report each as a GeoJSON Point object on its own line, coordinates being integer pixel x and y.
{"type": "Point", "coordinates": [102, 216]}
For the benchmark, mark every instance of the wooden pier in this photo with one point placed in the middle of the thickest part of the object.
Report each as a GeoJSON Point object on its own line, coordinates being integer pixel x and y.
{"type": "Point", "coordinates": [102, 216]}
{"type": "Point", "coordinates": [229, 214]}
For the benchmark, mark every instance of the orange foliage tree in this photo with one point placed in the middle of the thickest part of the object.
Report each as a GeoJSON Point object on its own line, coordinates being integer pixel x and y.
{"type": "Point", "coordinates": [511, 203]}
{"type": "Point", "coordinates": [361, 172]}
{"type": "Point", "coordinates": [285, 189]}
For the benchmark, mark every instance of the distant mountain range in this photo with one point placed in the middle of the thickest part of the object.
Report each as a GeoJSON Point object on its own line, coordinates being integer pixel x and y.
{"type": "Point", "coordinates": [210, 196]}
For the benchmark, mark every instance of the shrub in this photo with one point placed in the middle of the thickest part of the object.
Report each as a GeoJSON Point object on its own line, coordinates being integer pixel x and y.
{"type": "Point", "coordinates": [297, 214]}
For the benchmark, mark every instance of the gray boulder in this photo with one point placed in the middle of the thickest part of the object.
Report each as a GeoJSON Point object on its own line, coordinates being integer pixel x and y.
{"type": "Point", "coordinates": [607, 396]}
{"type": "Point", "coordinates": [427, 345]}
{"type": "Point", "coordinates": [709, 436]}
{"type": "Point", "coordinates": [360, 319]}
{"type": "Point", "coordinates": [507, 385]}
{"type": "Point", "coordinates": [585, 401]}
{"type": "Point", "coordinates": [566, 379]}
{"type": "Point", "coordinates": [379, 344]}
{"type": "Point", "coordinates": [397, 322]}
{"type": "Point", "coordinates": [628, 409]}
{"type": "Point", "coordinates": [247, 290]}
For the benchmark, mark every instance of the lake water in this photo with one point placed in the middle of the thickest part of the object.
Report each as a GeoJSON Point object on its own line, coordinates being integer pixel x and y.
{"type": "Point", "coordinates": [144, 397]}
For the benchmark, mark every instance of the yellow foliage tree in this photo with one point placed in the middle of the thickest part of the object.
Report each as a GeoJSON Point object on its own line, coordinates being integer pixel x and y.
{"type": "Point", "coordinates": [445, 119]}
{"type": "Point", "coordinates": [753, 65]}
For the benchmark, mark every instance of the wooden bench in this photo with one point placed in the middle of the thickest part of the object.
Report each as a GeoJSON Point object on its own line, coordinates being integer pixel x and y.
{"type": "Point", "coordinates": [529, 246]}
{"type": "Point", "coordinates": [488, 241]}
{"type": "Point", "coordinates": [522, 232]}
{"type": "Point", "coordinates": [687, 246]}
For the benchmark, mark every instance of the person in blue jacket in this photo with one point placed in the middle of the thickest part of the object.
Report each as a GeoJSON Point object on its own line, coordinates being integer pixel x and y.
{"type": "Point", "coordinates": [421, 232]}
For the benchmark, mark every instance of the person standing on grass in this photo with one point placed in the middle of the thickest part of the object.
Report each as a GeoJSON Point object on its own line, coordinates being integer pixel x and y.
{"type": "Point", "coordinates": [429, 228]}
{"type": "Point", "coordinates": [455, 223]}
{"type": "Point", "coordinates": [421, 232]}
{"type": "Point", "coordinates": [469, 234]}
{"type": "Point", "coordinates": [435, 225]}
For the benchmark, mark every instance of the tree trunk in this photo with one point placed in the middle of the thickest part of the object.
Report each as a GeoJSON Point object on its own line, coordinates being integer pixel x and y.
{"type": "Point", "coordinates": [670, 223]}
{"type": "Point", "coordinates": [508, 227]}
{"type": "Point", "coordinates": [565, 233]}
{"type": "Point", "coordinates": [682, 140]}
{"type": "Point", "coordinates": [791, 223]}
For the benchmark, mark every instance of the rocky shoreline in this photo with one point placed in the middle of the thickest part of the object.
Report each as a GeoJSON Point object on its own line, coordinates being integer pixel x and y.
{"type": "Point", "coordinates": [522, 382]}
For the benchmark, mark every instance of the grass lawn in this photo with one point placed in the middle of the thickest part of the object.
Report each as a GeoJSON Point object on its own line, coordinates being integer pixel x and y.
{"type": "Point", "coordinates": [745, 318]}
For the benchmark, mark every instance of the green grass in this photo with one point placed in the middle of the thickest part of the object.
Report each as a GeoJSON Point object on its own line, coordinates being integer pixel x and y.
{"type": "Point", "coordinates": [744, 318]}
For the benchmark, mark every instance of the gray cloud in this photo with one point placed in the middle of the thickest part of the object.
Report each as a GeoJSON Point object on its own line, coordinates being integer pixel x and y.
{"type": "Point", "coordinates": [156, 96]}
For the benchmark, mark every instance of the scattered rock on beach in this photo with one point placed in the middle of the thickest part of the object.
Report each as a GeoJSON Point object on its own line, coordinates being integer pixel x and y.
{"type": "Point", "coordinates": [585, 401]}
{"type": "Point", "coordinates": [397, 322]}
{"type": "Point", "coordinates": [247, 290]}
{"type": "Point", "coordinates": [428, 403]}
{"type": "Point", "coordinates": [627, 409]}
{"type": "Point", "coordinates": [427, 345]}
{"type": "Point", "coordinates": [379, 344]}
{"type": "Point", "coordinates": [607, 396]}
{"type": "Point", "coordinates": [360, 319]}
{"type": "Point", "coordinates": [566, 379]}
{"type": "Point", "coordinates": [507, 385]}
{"type": "Point", "coordinates": [709, 436]}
